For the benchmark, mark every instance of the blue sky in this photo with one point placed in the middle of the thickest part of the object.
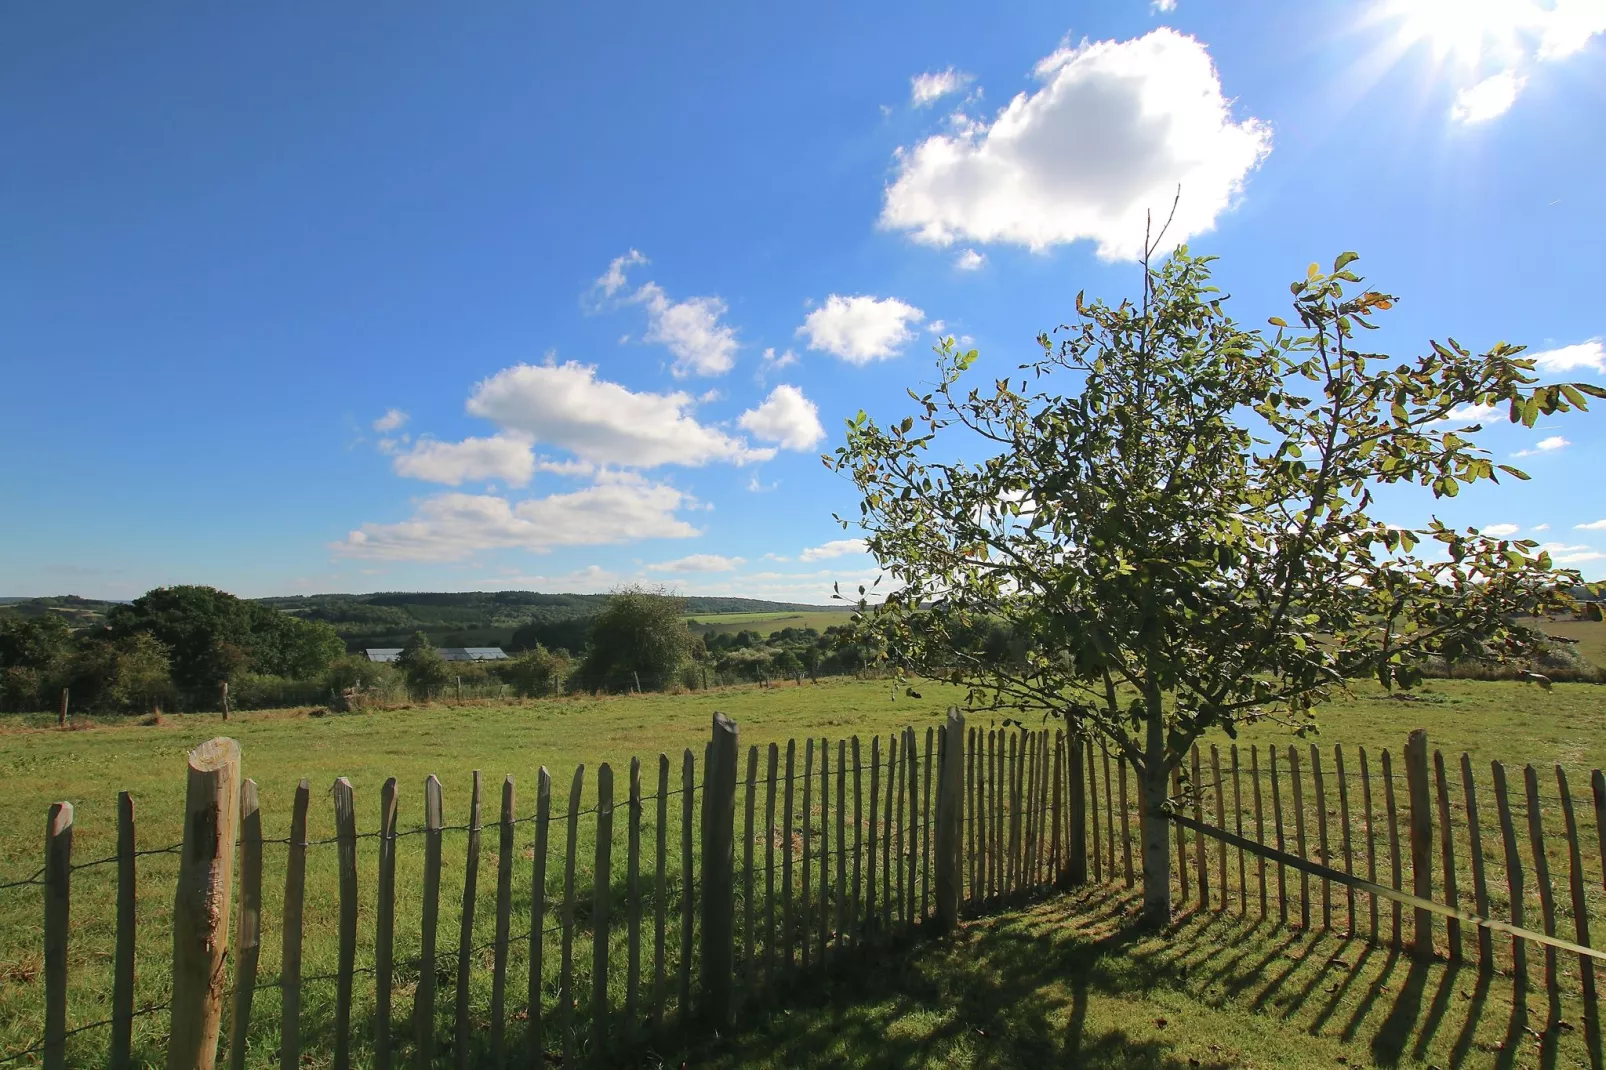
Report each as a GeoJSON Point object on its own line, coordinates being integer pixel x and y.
{"type": "Point", "coordinates": [302, 298]}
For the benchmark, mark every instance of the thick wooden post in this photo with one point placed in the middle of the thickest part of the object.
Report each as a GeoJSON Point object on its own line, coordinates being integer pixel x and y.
{"type": "Point", "coordinates": [58, 897]}
{"type": "Point", "coordinates": [950, 791]}
{"type": "Point", "coordinates": [718, 876]}
{"type": "Point", "coordinates": [201, 905]}
{"type": "Point", "coordinates": [1076, 845]}
{"type": "Point", "coordinates": [1418, 794]}
{"type": "Point", "coordinates": [61, 718]}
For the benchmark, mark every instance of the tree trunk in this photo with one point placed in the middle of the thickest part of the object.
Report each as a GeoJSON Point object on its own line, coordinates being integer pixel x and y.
{"type": "Point", "coordinates": [1156, 844]}
{"type": "Point", "coordinates": [1155, 775]}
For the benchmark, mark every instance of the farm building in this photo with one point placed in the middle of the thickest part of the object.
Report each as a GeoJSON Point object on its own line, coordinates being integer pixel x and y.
{"type": "Point", "coordinates": [447, 653]}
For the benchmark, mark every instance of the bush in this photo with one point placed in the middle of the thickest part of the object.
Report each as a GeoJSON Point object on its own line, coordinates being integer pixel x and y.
{"type": "Point", "coordinates": [535, 673]}
{"type": "Point", "coordinates": [265, 691]}
{"type": "Point", "coordinates": [356, 671]}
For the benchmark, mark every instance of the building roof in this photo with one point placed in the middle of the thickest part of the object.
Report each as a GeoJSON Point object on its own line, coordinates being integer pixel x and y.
{"type": "Point", "coordinates": [447, 653]}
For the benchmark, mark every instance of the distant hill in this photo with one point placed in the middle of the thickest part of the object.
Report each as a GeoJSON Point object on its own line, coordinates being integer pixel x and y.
{"type": "Point", "coordinates": [475, 618]}
{"type": "Point", "coordinates": [80, 612]}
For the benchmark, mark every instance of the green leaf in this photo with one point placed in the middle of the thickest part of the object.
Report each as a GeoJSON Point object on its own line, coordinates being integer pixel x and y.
{"type": "Point", "coordinates": [1277, 321]}
{"type": "Point", "coordinates": [1345, 260]}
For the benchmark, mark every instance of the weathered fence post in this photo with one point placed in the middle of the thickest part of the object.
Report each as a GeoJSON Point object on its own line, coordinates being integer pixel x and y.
{"type": "Point", "coordinates": [248, 937]}
{"type": "Point", "coordinates": [201, 905]}
{"type": "Point", "coordinates": [950, 812]}
{"type": "Point", "coordinates": [123, 963]}
{"type": "Point", "coordinates": [58, 897]}
{"type": "Point", "coordinates": [1416, 783]}
{"type": "Point", "coordinates": [718, 873]}
{"type": "Point", "coordinates": [1076, 845]}
{"type": "Point", "coordinates": [346, 854]}
{"type": "Point", "coordinates": [61, 718]}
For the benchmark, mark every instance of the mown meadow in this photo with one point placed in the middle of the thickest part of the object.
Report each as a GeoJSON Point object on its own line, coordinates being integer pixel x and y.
{"type": "Point", "coordinates": [927, 1006]}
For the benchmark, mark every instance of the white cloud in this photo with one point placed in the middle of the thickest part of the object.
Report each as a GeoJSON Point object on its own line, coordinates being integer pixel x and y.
{"type": "Point", "coordinates": [834, 548]}
{"type": "Point", "coordinates": [1544, 445]}
{"type": "Point", "coordinates": [392, 420]}
{"type": "Point", "coordinates": [613, 280]}
{"type": "Point", "coordinates": [1541, 527]}
{"type": "Point", "coordinates": [928, 88]}
{"type": "Point", "coordinates": [786, 417]}
{"type": "Point", "coordinates": [575, 469]}
{"type": "Point", "coordinates": [1489, 99]}
{"type": "Point", "coordinates": [1593, 525]}
{"type": "Point", "coordinates": [700, 563]}
{"type": "Point", "coordinates": [772, 362]}
{"type": "Point", "coordinates": [1500, 531]}
{"type": "Point", "coordinates": [602, 422]}
{"type": "Point", "coordinates": [1562, 554]}
{"type": "Point", "coordinates": [1568, 26]}
{"type": "Point", "coordinates": [1468, 414]}
{"type": "Point", "coordinates": [860, 329]}
{"type": "Point", "coordinates": [775, 363]}
{"type": "Point", "coordinates": [1590, 354]}
{"type": "Point", "coordinates": [689, 329]}
{"type": "Point", "coordinates": [1163, 5]}
{"type": "Point", "coordinates": [1112, 132]}
{"type": "Point", "coordinates": [505, 457]}
{"type": "Point", "coordinates": [969, 260]}
{"type": "Point", "coordinates": [450, 527]}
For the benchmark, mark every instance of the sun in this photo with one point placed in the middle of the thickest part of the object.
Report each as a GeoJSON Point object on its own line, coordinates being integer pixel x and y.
{"type": "Point", "coordinates": [1462, 32]}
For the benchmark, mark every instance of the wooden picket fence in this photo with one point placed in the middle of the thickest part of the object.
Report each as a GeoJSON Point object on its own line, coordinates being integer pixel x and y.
{"type": "Point", "coordinates": [783, 865]}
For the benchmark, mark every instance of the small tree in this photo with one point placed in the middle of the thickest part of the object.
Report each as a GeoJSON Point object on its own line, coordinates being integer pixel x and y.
{"type": "Point", "coordinates": [423, 667]}
{"type": "Point", "coordinates": [535, 673]}
{"type": "Point", "coordinates": [640, 633]}
{"type": "Point", "coordinates": [1168, 530]}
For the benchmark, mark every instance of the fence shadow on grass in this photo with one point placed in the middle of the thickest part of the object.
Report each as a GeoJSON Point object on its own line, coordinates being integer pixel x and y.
{"type": "Point", "coordinates": [1071, 980]}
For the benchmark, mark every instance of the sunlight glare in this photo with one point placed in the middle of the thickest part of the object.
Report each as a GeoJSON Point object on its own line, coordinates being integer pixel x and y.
{"type": "Point", "coordinates": [1462, 31]}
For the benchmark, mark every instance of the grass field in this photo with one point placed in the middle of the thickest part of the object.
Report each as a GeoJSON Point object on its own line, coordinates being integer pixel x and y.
{"type": "Point", "coordinates": [1590, 635]}
{"type": "Point", "coordinates": [766, 623]}
{"type": "Point", "coordinates": [1070, 981]}
{"type": "Point", "coordinates": [1513, 722]}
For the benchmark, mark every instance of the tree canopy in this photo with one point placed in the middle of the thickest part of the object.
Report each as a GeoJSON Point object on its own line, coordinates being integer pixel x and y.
{"type": "Point", "coordinates": [212, 636]}
{"type": "Point", "coordinates": [1170, 527]}
{"type": "Point", "coordinates": [641, 633]}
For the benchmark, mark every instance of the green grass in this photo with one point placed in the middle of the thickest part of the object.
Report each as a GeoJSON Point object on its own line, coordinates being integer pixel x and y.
{"type": "Point", "coordinates": [1513, 722]}
{"type": "Point", "coordinates": [1071, 981]}
{"type": "Point", "coordinates": [768, 623]}
{"type": "Point", "coordinates": [1589, 634]}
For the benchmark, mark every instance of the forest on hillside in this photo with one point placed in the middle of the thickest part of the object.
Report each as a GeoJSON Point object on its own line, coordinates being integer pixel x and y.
{"type": "Point", "coordinates": [389, 619]}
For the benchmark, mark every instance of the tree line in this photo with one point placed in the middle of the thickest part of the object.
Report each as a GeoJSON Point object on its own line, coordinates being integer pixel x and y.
{"type": "Point", "coordinates": [175, 648]}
